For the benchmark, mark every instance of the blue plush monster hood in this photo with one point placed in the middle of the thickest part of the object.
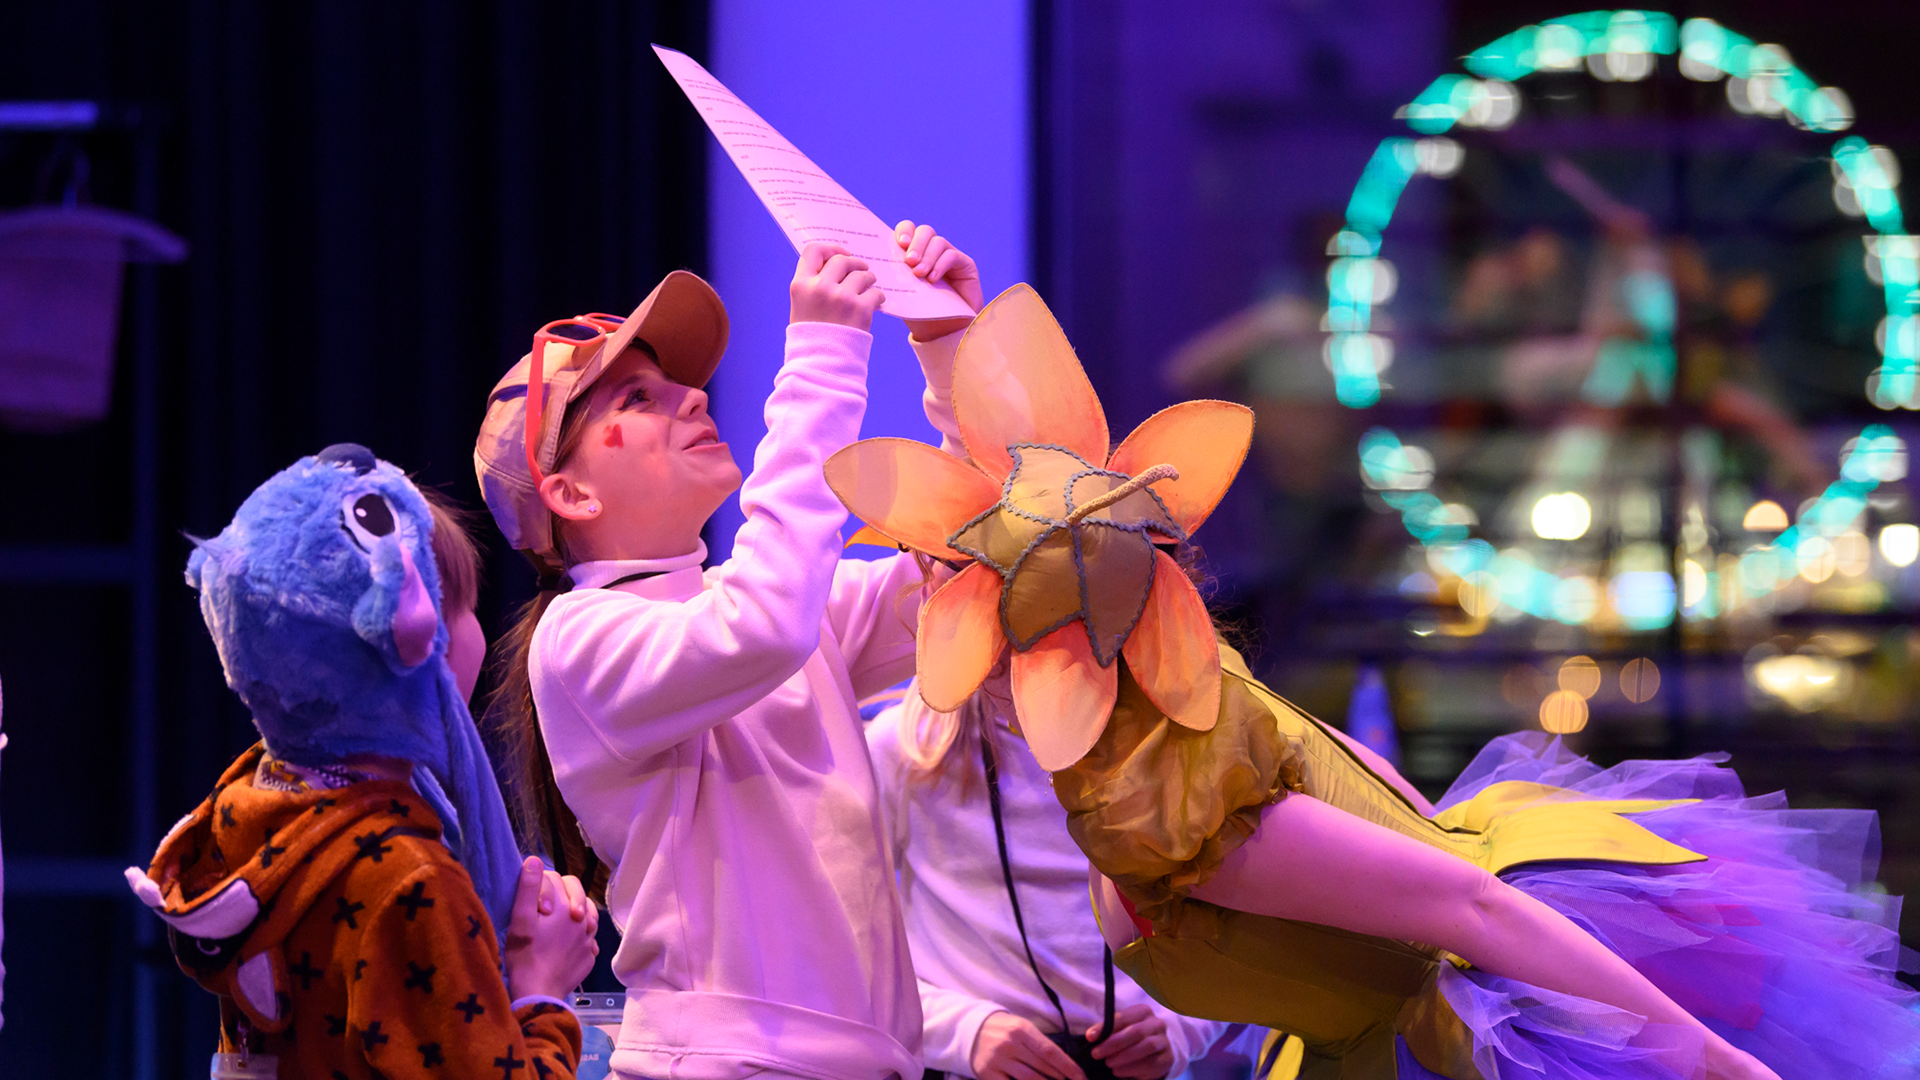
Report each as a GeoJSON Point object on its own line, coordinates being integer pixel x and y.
{"type": "Point", "coordinates": [323, 599]}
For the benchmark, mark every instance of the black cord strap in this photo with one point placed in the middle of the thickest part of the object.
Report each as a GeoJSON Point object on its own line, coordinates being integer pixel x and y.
{"type": "Point", "coordinates": [641, 576]}
{"type": "Point", "coordinates": [1013, 897]}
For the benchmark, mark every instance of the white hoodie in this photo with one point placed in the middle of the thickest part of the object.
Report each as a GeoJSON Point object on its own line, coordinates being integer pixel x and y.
{"type": "Point", "coordinates": [704, 728]}
{"type": "Point", "coordinates": [966, 946]}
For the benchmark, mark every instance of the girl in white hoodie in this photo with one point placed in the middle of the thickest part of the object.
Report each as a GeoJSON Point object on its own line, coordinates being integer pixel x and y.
{"type": "Point", "coordinates": [997, 988]}
{"type": "Point", "coordinates": [701, 725]}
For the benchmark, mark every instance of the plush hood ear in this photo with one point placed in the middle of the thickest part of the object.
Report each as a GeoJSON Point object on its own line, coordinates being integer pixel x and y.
{"type": "Point", "coordinates": [397, 614]}
{"type": "Point", "coordinates": [195, 562]}
{"type": "Point", "coordinates": [211, 560]}
{"type": "Point", "coordinates": [385, 516]}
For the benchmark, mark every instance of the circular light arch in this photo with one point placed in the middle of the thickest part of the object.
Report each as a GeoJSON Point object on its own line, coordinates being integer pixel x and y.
{"type": "Point", "coordinates": [1616, 46]}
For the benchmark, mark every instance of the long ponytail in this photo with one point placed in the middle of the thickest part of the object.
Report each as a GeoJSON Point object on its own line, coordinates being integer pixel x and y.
{"type": "Point", "coordinates": [541, 817]}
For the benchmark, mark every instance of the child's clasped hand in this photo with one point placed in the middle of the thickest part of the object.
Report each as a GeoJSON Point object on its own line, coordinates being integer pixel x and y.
{"type": "Point", "coordinates": [550, 939]}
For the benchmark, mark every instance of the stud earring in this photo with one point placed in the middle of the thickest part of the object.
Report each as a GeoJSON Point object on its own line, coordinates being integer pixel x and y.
{"type": "Point", "coordinates": [593, 508]}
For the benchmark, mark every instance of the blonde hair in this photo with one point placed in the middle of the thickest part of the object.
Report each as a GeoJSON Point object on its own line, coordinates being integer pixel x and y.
{"type": "Point", "coordinates": [944, 747]}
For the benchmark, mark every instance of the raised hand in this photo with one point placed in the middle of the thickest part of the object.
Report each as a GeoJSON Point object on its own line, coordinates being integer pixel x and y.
{"type": "Point", "coordinates": [832, 286]}
{"type": "Point", "coordinates": [934, 258]}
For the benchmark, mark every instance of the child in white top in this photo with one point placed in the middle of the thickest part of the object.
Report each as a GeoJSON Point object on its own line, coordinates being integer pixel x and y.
{"type": "Point", "coordinates": [702, 723]}
{"type": "Point", "coordinates": [985, 1012]}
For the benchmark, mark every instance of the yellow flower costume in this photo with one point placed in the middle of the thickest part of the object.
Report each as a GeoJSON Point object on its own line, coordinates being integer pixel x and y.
{"type": "Point", "coordinates": [1165, 750]}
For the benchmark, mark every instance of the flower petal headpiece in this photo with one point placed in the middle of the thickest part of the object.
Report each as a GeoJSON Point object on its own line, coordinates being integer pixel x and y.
{"type": "Point", "coordinates": [1064, 540]}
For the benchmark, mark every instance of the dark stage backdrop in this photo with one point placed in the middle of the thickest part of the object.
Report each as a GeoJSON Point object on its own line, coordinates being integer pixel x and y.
{"type": "Point", "coordinates": [383, 201]}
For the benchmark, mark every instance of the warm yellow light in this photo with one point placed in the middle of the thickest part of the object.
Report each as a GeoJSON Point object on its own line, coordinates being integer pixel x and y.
{"type": "Point", "coordinates": [1640, 680]}
{"type": "Point", "coordinates": [1900, 544]}
{"type": "Point", "coordinates": [1852, 553]}
{"type": "Point", "coordinates": [1563, 712]}
{"type": "Point", "coordinates": [1479, 594]}
{"type": "Point", "coordinates": [1580, 675]}
{"type": "Point", "coordinates": [1693, 583]}
{"type": "Point", "coordinates": [1764, 516]}
{"type": "Point", "coordinates": [1802, 681]}
{"type": "Point", "coordinates": [1564, 516]}
{"type": "Point", "coordinates": [1816, 559]}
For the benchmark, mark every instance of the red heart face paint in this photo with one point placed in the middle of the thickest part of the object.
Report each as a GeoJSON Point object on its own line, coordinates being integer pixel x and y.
{"type": "Point", "coordinates": [614, 438]}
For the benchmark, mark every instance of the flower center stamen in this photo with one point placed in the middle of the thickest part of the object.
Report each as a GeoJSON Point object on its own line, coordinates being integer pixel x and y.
{"type": "Point", "coordinates": [1157, 473]}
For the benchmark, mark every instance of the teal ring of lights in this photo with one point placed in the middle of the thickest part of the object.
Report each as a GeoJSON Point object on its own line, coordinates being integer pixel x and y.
{"type": "Point", "coordinates": [1625, 40]}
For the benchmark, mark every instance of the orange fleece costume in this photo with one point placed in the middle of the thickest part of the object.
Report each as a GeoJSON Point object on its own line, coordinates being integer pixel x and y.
{"type": "Point", "coordinates": [344, 938]}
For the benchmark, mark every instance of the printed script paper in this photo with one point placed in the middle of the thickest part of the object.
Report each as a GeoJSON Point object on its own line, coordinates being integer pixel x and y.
{"type": "Point", "coordinates": [805, 201]}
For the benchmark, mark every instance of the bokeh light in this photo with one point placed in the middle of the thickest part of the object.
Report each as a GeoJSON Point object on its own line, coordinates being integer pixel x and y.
{"type": "Point", "coordinates": [1562, 516]}
{"type": "Point", "coordinates": [1479, 594]}
{"type": "Point", "coordinates": [1804, 682]}
{"type": "Point", "coordinates": [1357, 356]}
{"type": "Point", "coordinates": [1815, 558]}
{"type": "Point", "coordinates": [1438, 157]}
{"type": "Point", "coordinates": [1693, 584]}
{"type": "Point", "coordinates": [1576, 599]}
{"type": "Point", "coordinates": [1642, 598]}
{"type": "Point", "coordinates": [1563, 712]}
{"type": "Point", "coordinates": [1762, 80]}
{"type": "Point", "coordinates": [1387, 465]}
{"type": "Point", "coordinates": [1640, 680]}
{"type": "Point", "coordinates": [1881, 458]}
{"type": "Point", "coordinates": [1764, 516]}
{"type": "Point", "coordinates": [1579, 675]}
{"type": "Point", "coordinates": [1852, 553]}
{"type": "Point", "coordinates": [1900, 544]}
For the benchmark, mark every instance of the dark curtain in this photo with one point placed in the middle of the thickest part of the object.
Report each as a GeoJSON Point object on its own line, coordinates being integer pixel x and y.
{"type": "Point", "coordinates": [384, 200]}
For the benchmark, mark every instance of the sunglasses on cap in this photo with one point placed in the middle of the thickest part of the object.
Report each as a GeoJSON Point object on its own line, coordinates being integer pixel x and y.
{"type": "Point", "coordinates": [582, 336]}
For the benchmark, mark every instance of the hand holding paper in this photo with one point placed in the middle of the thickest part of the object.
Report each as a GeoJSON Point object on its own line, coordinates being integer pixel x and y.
{"type": "Point", "coordinates": [933, 258]}
{"type": "Point", "coordinates": [808, 205]}
{"type": "Point", "coordinates": [832, 286]}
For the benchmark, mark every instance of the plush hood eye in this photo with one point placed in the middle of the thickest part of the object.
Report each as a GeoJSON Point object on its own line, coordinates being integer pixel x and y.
{"type": "Point", "coordinates": [366, 518]}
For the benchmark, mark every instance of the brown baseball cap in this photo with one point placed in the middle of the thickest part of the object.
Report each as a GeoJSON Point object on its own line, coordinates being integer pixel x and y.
{"type": "Point", "coordinates": [685, 324]}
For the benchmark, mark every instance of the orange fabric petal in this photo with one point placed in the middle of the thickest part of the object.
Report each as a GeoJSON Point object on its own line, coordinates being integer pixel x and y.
{"type": "Point", "coordinates": [1063, 696]}
{"type": "Point", "coordinates": [1016, 380]}
{"type": "Point", "coordinates": [960, 638]}
{"type": "Point", "coordinates": [874, 537]}
{"type": "Point", "coordinates": [1206, 440]}
{"type": "Point", "coordinates": [1172, 652]}
{"type": "Point", "coordinates": [913, 493]}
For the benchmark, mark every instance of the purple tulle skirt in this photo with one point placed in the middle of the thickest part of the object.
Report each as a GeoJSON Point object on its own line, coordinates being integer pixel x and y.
{"type": "Point", "coordinates": [1778, 941]}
